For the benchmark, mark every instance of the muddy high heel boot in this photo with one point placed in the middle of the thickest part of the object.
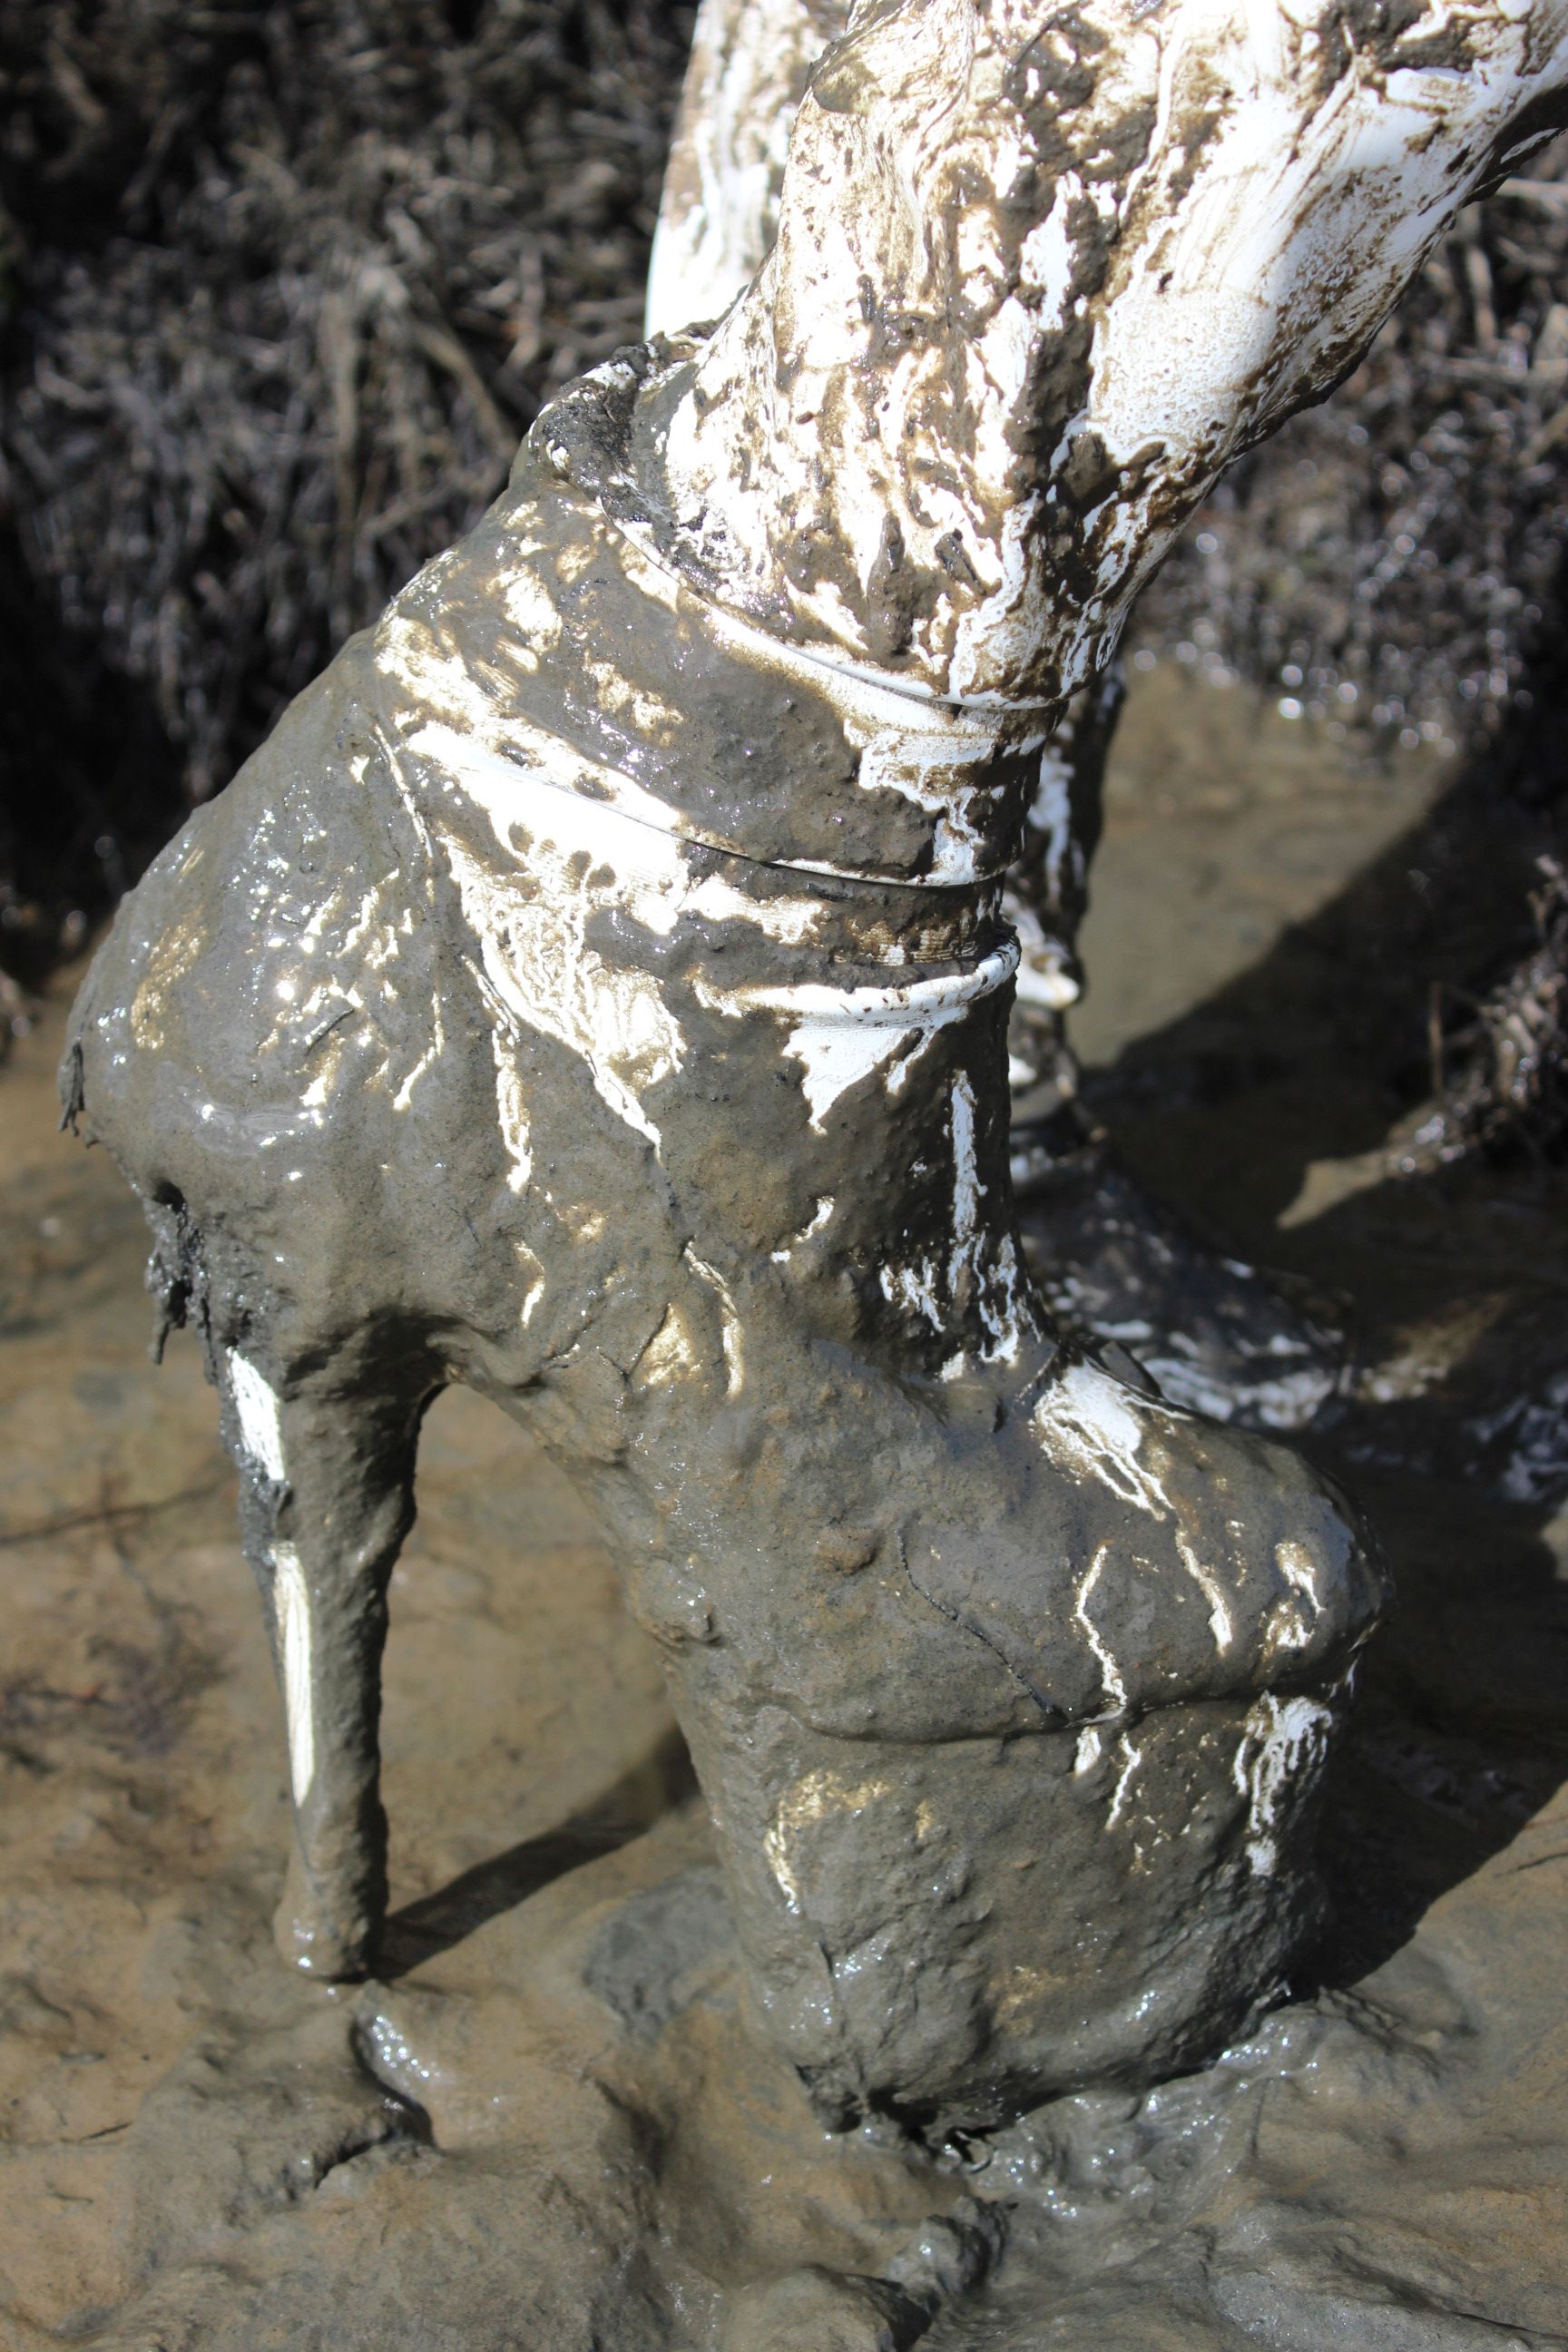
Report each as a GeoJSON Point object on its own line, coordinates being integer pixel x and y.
{"type": "Point", "coordinates": [596, 992]}
{"type": "Point", "coordinates": [442, 1047]}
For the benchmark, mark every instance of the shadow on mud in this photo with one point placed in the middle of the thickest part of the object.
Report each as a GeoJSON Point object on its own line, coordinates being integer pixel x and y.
{"type": "Point", "coordinates": [437, 1921]}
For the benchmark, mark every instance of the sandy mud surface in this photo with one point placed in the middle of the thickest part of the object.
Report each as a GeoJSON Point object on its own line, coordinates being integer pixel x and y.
{"type": "Point", "coordinates": [545, 2128]}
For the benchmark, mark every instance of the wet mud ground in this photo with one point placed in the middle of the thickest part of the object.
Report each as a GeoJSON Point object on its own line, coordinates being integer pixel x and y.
{"type": "Point", "coordinates": [544, 2127]}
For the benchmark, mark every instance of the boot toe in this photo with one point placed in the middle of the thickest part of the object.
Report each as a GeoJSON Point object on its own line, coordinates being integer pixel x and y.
{"type": "Point", "coordinates": [1139, 1557]}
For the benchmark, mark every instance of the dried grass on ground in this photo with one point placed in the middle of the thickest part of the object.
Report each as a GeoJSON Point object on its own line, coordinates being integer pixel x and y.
{"type": "Point", "coordinates": [285, 285]}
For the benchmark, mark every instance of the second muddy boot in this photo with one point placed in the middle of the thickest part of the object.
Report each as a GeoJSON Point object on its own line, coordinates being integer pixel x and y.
{"type": "Point", "coordinates": [1215, 1334]}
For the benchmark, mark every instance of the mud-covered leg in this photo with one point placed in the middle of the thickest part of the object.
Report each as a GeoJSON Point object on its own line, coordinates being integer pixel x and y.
{"type": "Point", "coordinates": [326, 1499]}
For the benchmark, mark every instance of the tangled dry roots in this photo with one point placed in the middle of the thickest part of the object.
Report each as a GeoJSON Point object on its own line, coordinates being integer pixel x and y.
{"type": "Point", "coordinates": [283, 285]}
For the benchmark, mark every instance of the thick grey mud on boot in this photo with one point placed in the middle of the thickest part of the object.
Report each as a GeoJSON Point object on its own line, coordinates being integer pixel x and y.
{"type": "Point", "coordinates": [443, 1009]}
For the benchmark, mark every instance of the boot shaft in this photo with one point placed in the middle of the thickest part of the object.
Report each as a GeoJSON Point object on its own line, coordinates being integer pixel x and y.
{"type": "Point", "coordinates": [632, 795]}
